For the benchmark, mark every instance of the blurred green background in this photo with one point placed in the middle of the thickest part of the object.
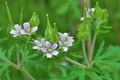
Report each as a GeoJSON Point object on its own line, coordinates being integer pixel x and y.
{"type": "Point", "coordinates": [66, 14]}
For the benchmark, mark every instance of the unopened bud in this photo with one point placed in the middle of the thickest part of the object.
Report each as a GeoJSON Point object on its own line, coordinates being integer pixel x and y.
{"type": "Point", "coordinates": [34, 21]}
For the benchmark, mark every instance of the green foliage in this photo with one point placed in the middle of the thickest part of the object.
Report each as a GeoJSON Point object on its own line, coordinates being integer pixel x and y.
{"type": "Point", "coordinates": [111, 57]}
{"type": "Point", "coordinates": [5, 66]}
{"type": "Point", "coordinates": [34, 21]}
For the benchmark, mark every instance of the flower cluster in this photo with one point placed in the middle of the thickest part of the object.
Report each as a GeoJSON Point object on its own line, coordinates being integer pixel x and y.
{"type": "Point", "coordinates": [25, 30]}
{"type": "Point", "coordinates": [51, 49]}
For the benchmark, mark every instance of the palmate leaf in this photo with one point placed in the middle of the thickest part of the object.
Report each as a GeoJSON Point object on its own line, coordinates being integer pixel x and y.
{"type": "Point", "coordinates": [81, 73]}
{"type": "Point", "coordinates": [110, 57]}
{"type": "Point", "coordinates": [4, 70]}
{"type": "Point", "coordinates": [4, 67]}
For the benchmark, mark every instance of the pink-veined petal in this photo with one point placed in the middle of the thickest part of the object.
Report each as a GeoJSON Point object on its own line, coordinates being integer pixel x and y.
{"type": "Point", "coordinates": [34, 29]}
{"type": "Point", "coordinates": [54, 46]}
{"type": "Point", "coordinates": [26, 26]}
{"type": "Point", "coordinates": [44, 49]}
{"type": "Point", "coordinates": [36, 42]}
{"type": "Point", "coordinates": [47, 44]}
{"type": "Point", "coordinates": [13, 32]}
{"type": "Point", "coordinates": [23, 32]}
{"type": "Point", "coordinates": [49, 55]}
{"type": "Point", "coordinates": [55, 52]}
{"type": "Point", "coordinates": [18, 27]}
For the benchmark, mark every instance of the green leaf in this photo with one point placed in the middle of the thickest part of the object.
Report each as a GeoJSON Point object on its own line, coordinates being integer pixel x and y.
{"type": "Point", "coordinates": [3, 39]}
{"type": "Point", "coordinates": [76, 55]}
{"type": "Point", "coordinates": [4, 68]}
{"type": "Point", "coordinates": [99, 51]}
{"type": "Point", "coordinates": [111, 57]}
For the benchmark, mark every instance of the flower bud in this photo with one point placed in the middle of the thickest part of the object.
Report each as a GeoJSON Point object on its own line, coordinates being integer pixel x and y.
{"type": "Point", "coordinates": [34, 21]}
{"type": "Point", "coordinates": [97, 11]}
{"type": "Point", "coordinates": [103, 15]}
{"type": "Point", "coordinates": [83, 32]}
{"type": "Point", "coordinates": [55, 35]}
{"type": "Point", "coordinates": [49, 29]}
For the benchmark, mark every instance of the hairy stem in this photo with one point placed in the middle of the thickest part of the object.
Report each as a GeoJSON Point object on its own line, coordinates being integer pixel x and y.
{"type": "Point", "coordinates": [84, 52]}
{"type": "Point", "coordinates": [24, 55]}
{"type": "Point", "coordinates": [24, 71]}
{"type": "Point", "coordinates": [74, 62]}
{"type": "Point", "coordinates": [9, 62]}
{"type": "Point", "coordinates": [92, 48]}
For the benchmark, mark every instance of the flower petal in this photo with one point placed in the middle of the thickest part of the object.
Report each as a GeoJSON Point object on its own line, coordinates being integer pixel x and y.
{"type": "Point", "coordinates": [36, 42]}
{"type": "Point", "coordinates": [36, 47]}
{"type": "Point", "coordinates": [18, 27]}
{"type": "Point", "coordinates": [44, 49]}
{"type": "Point", "coordinates": [34, 29]}
{"type": "Point", "coordinates": [13, 32]}
{"type": "Point", "coordinates": [55, 52]}
{"type": "Point", "coordinates": [43, 41]}
{"type": "Point", "coordinates": [15, 35]}
{"type": "Point", "coordinates": [65, 49]}
{"type": "Point", "coordinates": [47, 44]}
{"type": "Point", "coordinates": [60, 43]}
{"type": "Point", "coordinates": [49, 55]}
{"type": "Point", "coordinates": [26, 26]}
{"type": "Point", "coordinates": [54, 46]}
{"type": "Point", "coordinates": [23, 32]}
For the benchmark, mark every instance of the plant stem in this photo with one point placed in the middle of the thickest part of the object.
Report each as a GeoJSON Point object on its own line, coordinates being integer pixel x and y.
{"type": "Point", "coordinates": [84, 51]}
{"type": "Point", "coordinates": [74, 62]}
{"type": "Point", "coordinates": [24, 55]}
{"type": "Point", "coordinates": [92, 49]}
{"type": "Point", "coordinates": [9, 62]}
{"type": "Point", "coordinates": [24, 71]}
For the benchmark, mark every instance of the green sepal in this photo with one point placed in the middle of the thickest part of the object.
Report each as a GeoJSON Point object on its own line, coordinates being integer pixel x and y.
{"type": "Point", "coordinates": [55, 35]}
{"type": "Point", "coordinates": [34, 21]}
{"type": "Point", "coordinates": [83, 31]}
{"type": "Point", "coordinates": [49, 30]}
{"type": "Point", "coordinates": [97, 11]}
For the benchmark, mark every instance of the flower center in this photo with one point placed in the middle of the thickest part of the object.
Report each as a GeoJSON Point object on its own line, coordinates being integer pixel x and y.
{"type": "Point", "coordinates": [49, 50]}
{"type": "Point", "coordinates": [40, 44]}
{"type": "Point", "coordinates": [65, 42]}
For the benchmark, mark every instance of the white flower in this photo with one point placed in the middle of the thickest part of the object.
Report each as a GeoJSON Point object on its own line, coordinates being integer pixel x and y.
{"type": "Point", "coordinates": [50, 49]}
{"type": "Point", "coordinates": [39, 44]}
{"type": "Point", "coordinates": [17, 31]}
{"type": "Point", "coordinates": [65, 41]}
{"type": "Point", "coordinates": [27, 29]}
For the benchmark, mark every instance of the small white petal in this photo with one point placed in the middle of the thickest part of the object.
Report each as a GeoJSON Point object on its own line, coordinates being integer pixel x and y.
{"type": "Point", "coordinates": [44, 49]}
{"type": "Point", "coordinates": [55, 52]}
{"type": "Point", "coordinates": [36, 42]}
{"type": "Point", "coordinates": [13, 32]}
{"type": "Point", "coordinates": [60, 43]}
{"type": "Point", "coordinates": [47, 44]}
{"type": "Point", "coordinates": [26, 26]}
{"type": "Point", "coordinates": [65, 34]}
{"type": "Point", "coordinates": [18, 27]}
{"type": "Point", "coordinates": [49, 55]}
{"type": "Point", "coordinates": [43, 41]}
{"type": "Point", "coordinates": [54, 46]}
{"type": "Point", "coordinates": [36, 47]}
{"type": "Point", "coordinates": [34, 29]}
{"type": "Point", "coordinates": [23, 32]}
{"type": "Point", "coordinates": [65, 49]}
{"type": "Point", "coordinates": [82, 18]}
{"type": "Point", "coordinates": [15, 35]}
